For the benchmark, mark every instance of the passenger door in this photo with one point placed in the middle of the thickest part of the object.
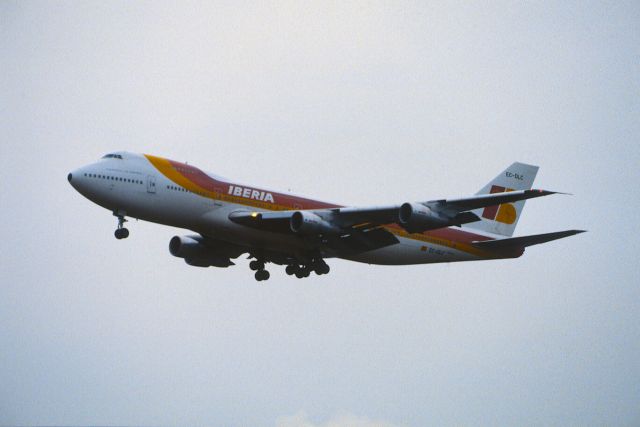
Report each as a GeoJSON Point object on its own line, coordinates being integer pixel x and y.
{"type": "Point", "coordinates": [151, 184]}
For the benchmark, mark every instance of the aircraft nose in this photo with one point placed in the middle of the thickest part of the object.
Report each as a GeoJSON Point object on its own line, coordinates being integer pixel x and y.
{"type": "Point", "coordinates": [74, 178]}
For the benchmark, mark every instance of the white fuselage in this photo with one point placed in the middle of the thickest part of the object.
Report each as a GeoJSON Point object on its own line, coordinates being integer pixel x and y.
{"type": "Point", "coordinates": [150, 189]}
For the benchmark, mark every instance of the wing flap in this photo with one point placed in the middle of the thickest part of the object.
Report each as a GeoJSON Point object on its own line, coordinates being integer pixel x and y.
{"type": "Point", "coordinates": [362, 240]}
{"type": "Point", "coordinates": [350, 216]}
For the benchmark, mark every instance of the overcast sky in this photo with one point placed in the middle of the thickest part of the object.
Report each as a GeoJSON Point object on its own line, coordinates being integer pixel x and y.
{"type": "Point", "coordinates": [355, 103]}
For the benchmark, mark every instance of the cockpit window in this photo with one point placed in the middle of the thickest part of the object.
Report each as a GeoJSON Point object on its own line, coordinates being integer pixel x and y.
{"type": "Point", "coordinates": [112, 156]}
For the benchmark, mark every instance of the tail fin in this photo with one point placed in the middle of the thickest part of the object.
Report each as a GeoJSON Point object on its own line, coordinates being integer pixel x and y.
{"type": "Point", "coordinates": [503, 219]}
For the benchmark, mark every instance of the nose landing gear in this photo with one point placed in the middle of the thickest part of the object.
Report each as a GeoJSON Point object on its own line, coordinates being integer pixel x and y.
{"type": "Point", "coordinates": [121, 232]}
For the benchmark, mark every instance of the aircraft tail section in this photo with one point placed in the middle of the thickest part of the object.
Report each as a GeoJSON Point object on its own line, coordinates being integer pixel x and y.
{"type": "Point", "coordinates": [502, 219]}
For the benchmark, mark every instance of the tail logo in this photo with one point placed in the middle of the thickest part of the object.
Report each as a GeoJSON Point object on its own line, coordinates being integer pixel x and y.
{"type": "Point", "coordinates": [505, 213]}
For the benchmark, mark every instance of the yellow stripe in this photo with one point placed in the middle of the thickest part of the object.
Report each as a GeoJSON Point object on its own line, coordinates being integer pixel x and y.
{"type": "Point", "coordinates": [165, 167]}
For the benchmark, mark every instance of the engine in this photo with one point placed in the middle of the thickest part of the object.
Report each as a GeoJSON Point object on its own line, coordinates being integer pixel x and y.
{"type": "Point", "coordinates": [415, 217]}
{"type": "Point", "coordinates": [196, 253]}
{"type": "Point", "coordinates": [303, 222]}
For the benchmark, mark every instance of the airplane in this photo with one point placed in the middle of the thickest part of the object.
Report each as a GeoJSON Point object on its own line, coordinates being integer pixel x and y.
{"type": "Point", "coordinates": [232, 219]}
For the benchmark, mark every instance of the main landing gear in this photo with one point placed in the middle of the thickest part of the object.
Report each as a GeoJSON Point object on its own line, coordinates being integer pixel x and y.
{"type": "Point", "coordinates": [301, 271]}
{"type": "Point", "coordinates": [121, 232]}
{"type": "Point", "coordinates": [258, 267]}
{"type": "Point", "coordinates": [317, 266]}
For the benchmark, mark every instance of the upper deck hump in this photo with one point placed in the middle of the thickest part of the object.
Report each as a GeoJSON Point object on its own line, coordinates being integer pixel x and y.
{"type": "Point", "coordinates": [198, 181]}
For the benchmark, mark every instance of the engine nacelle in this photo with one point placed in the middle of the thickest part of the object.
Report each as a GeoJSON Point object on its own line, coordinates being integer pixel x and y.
{"type": "Point", "coordinates": [196, 253]}
{"type": "Point", "coordinates": [303, 222]}
{"type": "Point", "coordinates": [186, 246]}
{"type": "Point", "coordinates": [415, 217]}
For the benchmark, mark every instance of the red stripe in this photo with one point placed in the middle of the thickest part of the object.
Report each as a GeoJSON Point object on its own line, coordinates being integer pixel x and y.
{"type": "Point", "coordinates": [208, 183]}
{"type": "Point", "coordinates": [204, 181]}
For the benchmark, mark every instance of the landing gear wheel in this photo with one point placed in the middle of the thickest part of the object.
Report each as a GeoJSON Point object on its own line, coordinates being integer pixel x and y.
{"type": "Point", "coordinates": [321, 269]}
{"type": "Point", "coordinates": [291, 269]}
{"type": "Point", "coordinates": [303, 272]}
{"type": "Point", "coordinates": [262, 275]}
{"type": "Point", "coordinates": [256, 265]}
{"type": "Point", "coordinates": [121, 233]}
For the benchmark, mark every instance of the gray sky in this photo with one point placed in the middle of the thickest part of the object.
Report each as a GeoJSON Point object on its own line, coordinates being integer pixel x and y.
{"type": "Point", "coordinates": [358, 103]}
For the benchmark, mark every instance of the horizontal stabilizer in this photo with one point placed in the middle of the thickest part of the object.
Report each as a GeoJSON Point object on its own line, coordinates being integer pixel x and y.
{"type": "Point", "coordinates": [524, 241]}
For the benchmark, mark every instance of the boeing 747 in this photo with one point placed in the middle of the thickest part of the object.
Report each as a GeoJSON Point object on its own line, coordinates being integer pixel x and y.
{"type": "Point", "coordinates": [232, 219]}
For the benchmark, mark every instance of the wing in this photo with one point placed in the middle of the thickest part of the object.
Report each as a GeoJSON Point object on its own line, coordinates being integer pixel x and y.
{"type": "Point", "coordinates": [414, 217]}
{"type": "Point", "coordinates": [423, 216]}
{"type": "Point", "coordinates": [485, 200]}
{"type": "Point", "coordinates": [324, 223]}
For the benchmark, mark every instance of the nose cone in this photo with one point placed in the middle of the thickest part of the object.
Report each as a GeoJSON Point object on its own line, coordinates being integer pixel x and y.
{"type": "Point", "coordinates": [76, 180]}
{"type": "Point", "coordinates": [82, 181]}
{"type": "Point", "coordinates": [72, 177]}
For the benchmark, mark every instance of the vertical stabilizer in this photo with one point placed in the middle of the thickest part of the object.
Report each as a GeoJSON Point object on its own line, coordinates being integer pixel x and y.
{"type": "Point", "coordinates": [502, 219]}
